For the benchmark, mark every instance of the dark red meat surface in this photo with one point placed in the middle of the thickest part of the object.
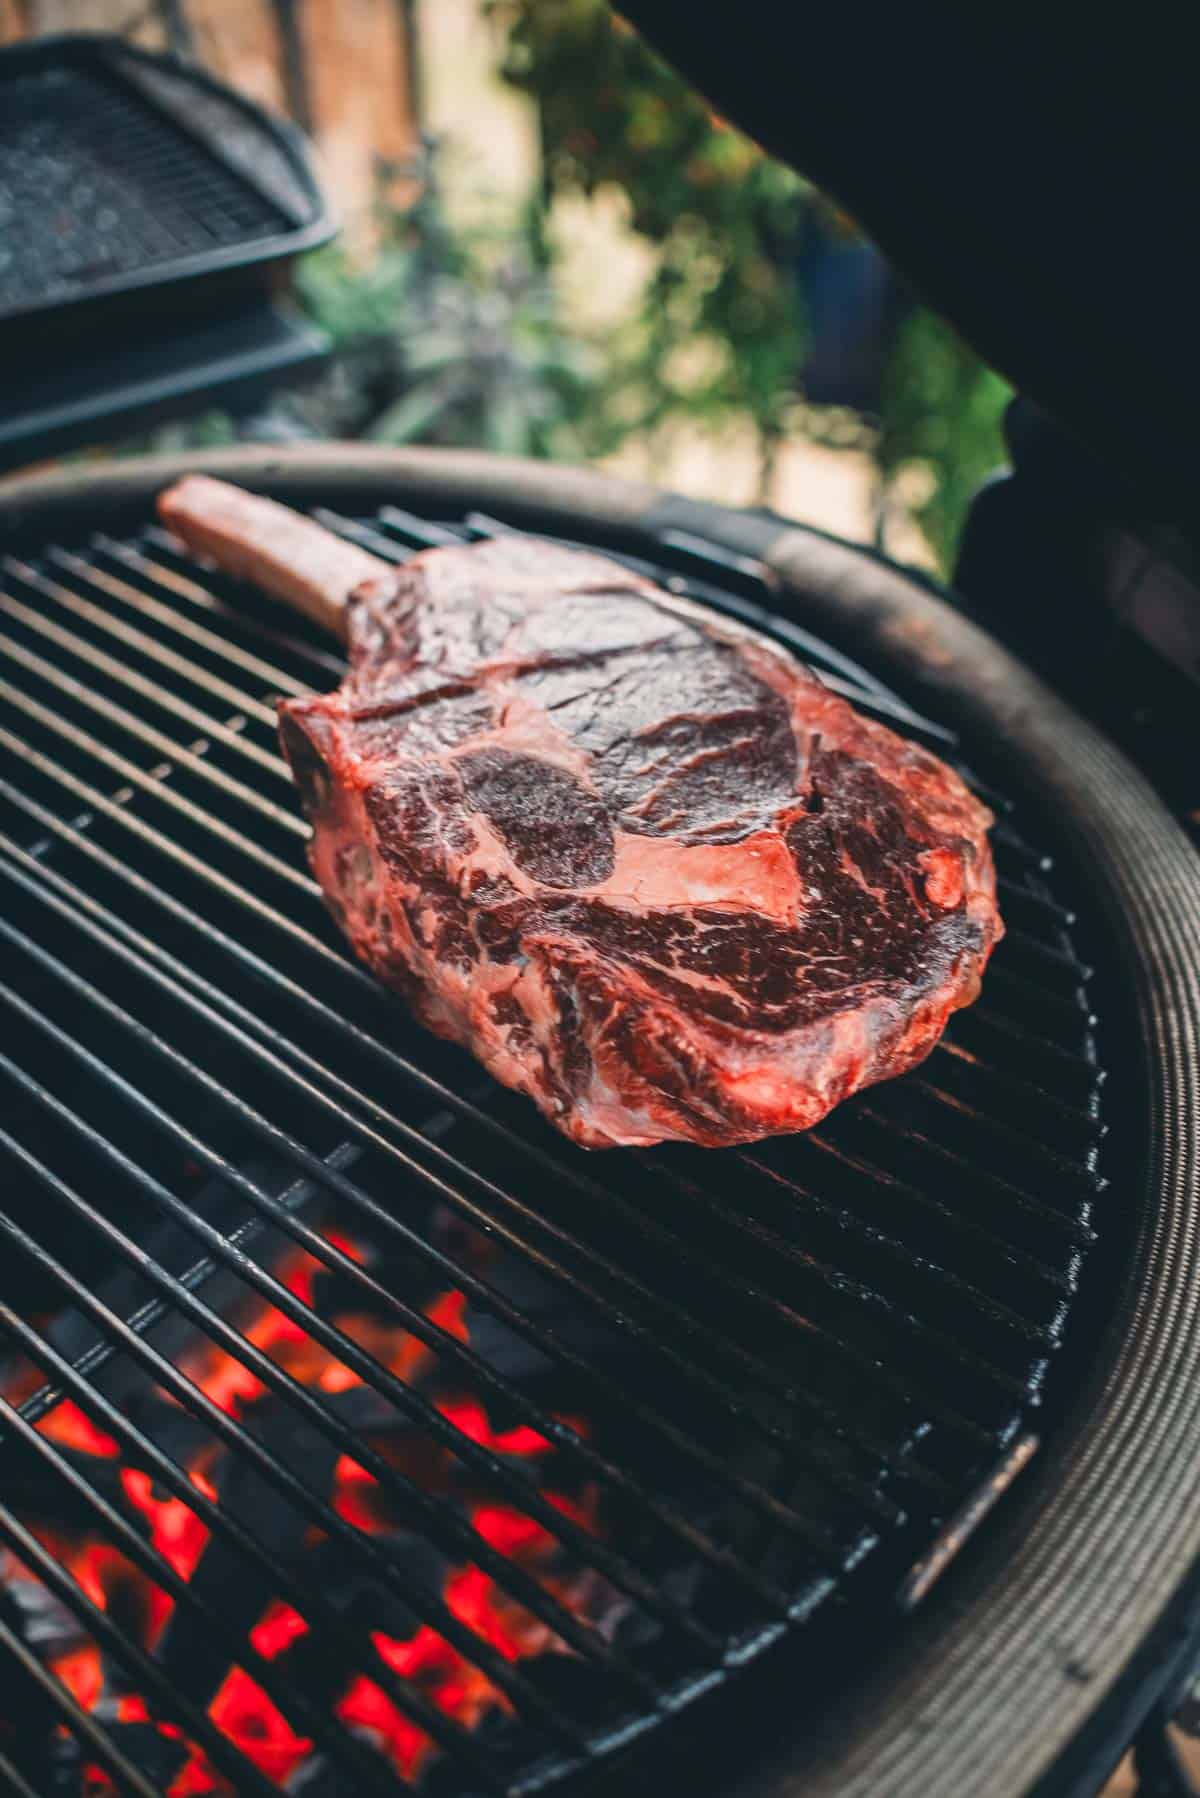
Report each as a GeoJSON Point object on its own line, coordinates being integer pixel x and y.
{"type": "Point", "coordinates": [638, 859]}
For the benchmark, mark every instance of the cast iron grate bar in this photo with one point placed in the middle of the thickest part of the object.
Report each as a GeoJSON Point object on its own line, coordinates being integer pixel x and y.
{"type": "Point", "coordinates": [295, 1490]}
{"type": "Point", "coordinates": [147, 1454]}
{"type": "Point", "coordinates": [84, 1727]}
{"type": "Point", "coordinates": [109, 627]}
{"type": "Point", "coordinates": [146, 1317]}
{"type": "Point", "coordinates": [94, 661]}
{"type": "Point", "coordinates": [539, 1420]}
{"type": "Point", "coordinates": [302, 1158]}
{"type": "Point", "coordinates": [120, 1531]}
{"type": "Point", "coordinates": [197, 1401]}
{"type": "Point", "coordinates": [413, 1321]}
{"type": "Point", "coordinates": [659, 1345]}
{"type": "Point", "coordinates": [772, 1398]}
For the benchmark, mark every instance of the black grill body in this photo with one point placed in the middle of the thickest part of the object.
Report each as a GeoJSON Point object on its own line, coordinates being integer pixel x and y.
{"type": "Point", "coordinates": [774, 1391]}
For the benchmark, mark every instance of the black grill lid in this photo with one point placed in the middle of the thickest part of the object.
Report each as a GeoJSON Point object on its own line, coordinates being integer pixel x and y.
{"type": "Point", "coordinates": [1033, 181]}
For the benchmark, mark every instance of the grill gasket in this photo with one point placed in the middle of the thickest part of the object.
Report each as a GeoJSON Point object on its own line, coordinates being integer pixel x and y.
{"type": "Point", "coordinates": [1015, 851]}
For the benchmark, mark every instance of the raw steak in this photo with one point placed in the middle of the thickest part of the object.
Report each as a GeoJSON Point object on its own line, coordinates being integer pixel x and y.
{"type": "Point", "coordinates": [644, 864]}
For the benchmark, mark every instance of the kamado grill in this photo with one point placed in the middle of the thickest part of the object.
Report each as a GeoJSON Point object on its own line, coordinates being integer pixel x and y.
{"type": "Point", "coordinates": [358, 1429]}
{"type": "Point", "coordinates": [357, 1432]}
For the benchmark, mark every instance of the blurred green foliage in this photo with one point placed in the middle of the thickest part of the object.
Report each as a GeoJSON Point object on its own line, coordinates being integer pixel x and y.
{"type": "Point", "coordinates": [726, 220]}
{"type": "Point", "coordinates": [451, 339]}
{"type": "Point", "coordinates": [941, 415]}
{"type": "Point", "coordinates": [723, 217]}
{"type": "Point", "coordinates": [457, 337]}
{"type": "Point", "coordinates": [447, 338]}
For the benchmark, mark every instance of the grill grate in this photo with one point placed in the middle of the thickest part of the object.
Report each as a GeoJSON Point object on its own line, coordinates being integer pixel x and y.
{"type": "Point", "coordinates": [346, 1400]}
{"type": "Point", "coordinates": [96, 183]}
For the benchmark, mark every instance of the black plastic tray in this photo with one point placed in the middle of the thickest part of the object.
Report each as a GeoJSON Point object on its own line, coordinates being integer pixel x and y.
{"type": "Point", "coordinates": [122, 172]}
{"type": "Point", "coordinates": [148, 221]}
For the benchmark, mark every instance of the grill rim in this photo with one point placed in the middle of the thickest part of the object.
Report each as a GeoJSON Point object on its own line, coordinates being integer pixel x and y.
{"type": "Point", "coordinates": [1113, 1526]}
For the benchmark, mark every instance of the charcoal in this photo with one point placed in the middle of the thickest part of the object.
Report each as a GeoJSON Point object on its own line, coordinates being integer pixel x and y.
{"type": "Point", "coordinates": [180, 1435]}
{"type": "Point", "coordinates": [316, 1667]}
{"type": "Point", "coordinates": [61, 1767]}
{"type": "Point", "coordinates": [575, 1687]}
{"type": "Point", "coordinates": [319, 1777]}
{"type": "Point", "coordinates": [505, 1743]}
{"type": "Point", "coordinates": [123, 1289]}
{"type": "Point", "coordinates": [408, 1275]}
{"type": "Point", "coordinates": [363, 1409]}
{"type": "Point", "coordinates": [30, 1713]}
{"type": "Point", "coordinates": [42, 1621]}
{"type": "Point", "coordinates": [366, 1599]}
{"type": "Point", "coordinates": [36, 1490]}
{"type": "Point", "coordinates": [159, 1757]}
{"type": "Point", "coordinates": [233, 1586]}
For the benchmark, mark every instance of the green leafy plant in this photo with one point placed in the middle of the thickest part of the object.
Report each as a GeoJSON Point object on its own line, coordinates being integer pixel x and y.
{"type": "Point", "coordinates": [722, 215]}
{"type": "Point", "coordinates": [443, 338]}
{"type": "Point", "coordinates": [941, 419]}
{"type": "Point", "coordinates": [491, 365]}
{"type": "Point", "coordinates": [457, 338]}
{"type": "Point", "coordinates": [727, 222]}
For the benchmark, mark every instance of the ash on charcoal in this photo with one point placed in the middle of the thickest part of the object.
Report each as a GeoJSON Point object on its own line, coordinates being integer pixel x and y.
{"type": "Point", "coordinates": [318, 1777]}
{"type": "Point", "coordinates": [50, 1762]}
{"type": "Point", "coordinates": [40, 1619]}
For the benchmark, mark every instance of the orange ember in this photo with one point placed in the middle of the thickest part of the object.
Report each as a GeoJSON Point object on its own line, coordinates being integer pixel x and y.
{"type": "Point", "coordinates": [443, 1677]}
{"type": "Point", "coordinates": [358, 1497]}
{"type": "Point", "coordinates": [338, 1240]}
{"type": "Point", "coordinates": [176, 1532]}
{"type": "Point", "coordinates": [509, 1532]}
{"type": "Point", "coordinates": [449, 1312]}
{"type": "Point", "coordinates": [277, 1629]}
{"type": "Point", "coordinates": [244, 1712]}
{"type": "Point", "coordinates": [232, 1387]}
{"type": "Point", "coordinates": [469, 1416]}
{"type": "Point", "coordinates": [82, 1675]}
{"type": "Point", "coordinates": [365, 1707]}
{"type": "Point", "coordinates": [74, 1429]}
{"type": "Point", "coordinates": [435, 1670]}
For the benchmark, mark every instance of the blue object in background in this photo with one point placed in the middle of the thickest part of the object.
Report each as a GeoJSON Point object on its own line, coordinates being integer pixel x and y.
{"type": "Point", "coordinates": [854, 304]}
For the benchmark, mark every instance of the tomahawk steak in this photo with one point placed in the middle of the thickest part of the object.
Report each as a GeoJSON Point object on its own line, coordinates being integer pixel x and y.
{"type": "Point", "coordinates": [640, 860]}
